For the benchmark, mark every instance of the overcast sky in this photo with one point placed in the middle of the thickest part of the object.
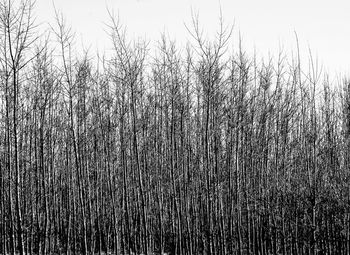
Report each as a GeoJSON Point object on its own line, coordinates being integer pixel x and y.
{"type": "Point", "coordinates": [264, 24]}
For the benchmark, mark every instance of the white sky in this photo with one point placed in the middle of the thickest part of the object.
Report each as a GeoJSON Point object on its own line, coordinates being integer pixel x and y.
{"type": "Point", "coordinates": [264, 24]}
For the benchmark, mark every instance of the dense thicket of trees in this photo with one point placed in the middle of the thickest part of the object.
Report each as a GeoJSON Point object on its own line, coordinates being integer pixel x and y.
{"type": "Point", "coordinates": [188, 151]}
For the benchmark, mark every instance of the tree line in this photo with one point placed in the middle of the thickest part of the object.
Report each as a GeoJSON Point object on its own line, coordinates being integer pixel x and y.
{"type": "Point", "coordinates": [193, 150]}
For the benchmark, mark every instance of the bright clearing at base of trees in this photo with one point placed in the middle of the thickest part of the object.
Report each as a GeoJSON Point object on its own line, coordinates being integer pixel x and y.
{"type": "Point", "coordinates": [187, 151]}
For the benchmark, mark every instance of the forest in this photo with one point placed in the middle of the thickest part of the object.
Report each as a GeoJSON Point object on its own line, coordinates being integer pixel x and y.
{"type": "Point", "coordinates": [167, 150]}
